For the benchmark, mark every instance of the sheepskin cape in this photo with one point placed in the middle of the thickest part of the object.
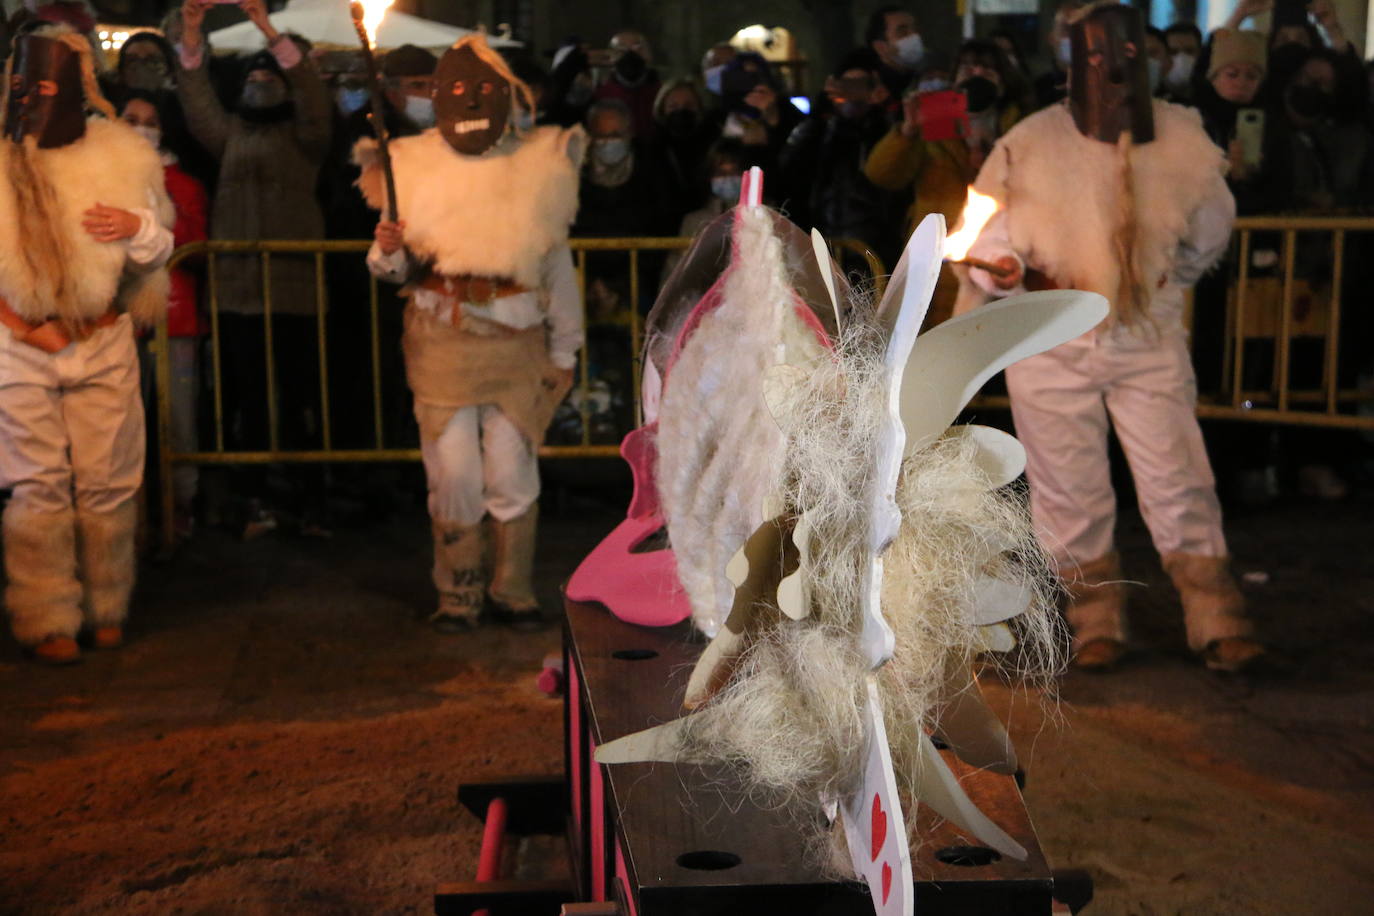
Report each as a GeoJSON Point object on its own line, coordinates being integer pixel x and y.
{"type": "Point", "coordinates": [112, 165]}
{"type": "Point", "coordinates": [495, 215]}
{"type": "Point", "coordinates": [1066, 196]}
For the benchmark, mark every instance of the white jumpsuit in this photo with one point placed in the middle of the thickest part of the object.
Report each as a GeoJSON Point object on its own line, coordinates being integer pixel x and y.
{"type": "Point", "coordinates": [1139, 378]}
{"type": "Point", "coordinates": [71, 451]}
{"type": "Point", "coordinates": [480, 463]}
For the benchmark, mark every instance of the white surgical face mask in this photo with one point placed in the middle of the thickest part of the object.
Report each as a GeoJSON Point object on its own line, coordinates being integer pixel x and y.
{"type": "Point", "coordinates": [1180, 71]}
{"type": "Point", "coordinates": [911, 50]}
{"type": "Point", "coordinates": [152, 134]}
{"type": "Point", "coordinates": [934, 84]}
{"type": "Point", "coordinates": [420, 110]}
{"type": "Point", "coordinates": [711, 77]}
{"type": "Point", "coordinates": [1064, 52]}
{"type": "Point", "coordinates": [611, 151]}
{"type": "Point", "coordinates": [726, 187]}
{"type": "Point", "coordinates": [350, 100]}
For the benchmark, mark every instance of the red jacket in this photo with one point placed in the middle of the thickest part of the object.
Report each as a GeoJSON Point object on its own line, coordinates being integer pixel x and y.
{"type": "Point", "coordinates": [189, 200]}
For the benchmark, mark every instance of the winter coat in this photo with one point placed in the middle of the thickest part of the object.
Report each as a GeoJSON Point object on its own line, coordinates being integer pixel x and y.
{"type": "Point", "coordinates": [189, 201]}
{"type": "Point", "coordinates": [267, 180]}
{"type": "Point", "coordinates": [822, 168]}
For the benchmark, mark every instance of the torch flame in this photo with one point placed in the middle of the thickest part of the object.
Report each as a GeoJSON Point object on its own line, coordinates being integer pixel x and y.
{"type": "Point", "coordinates": [373, 13]}
{"type": "Point", "coordinates": [978, 209]}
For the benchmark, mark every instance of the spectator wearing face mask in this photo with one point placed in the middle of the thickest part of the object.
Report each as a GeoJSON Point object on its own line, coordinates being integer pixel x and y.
{"type": "Point", "coordinates": [720, 180]}
{"type": "Point", "coordinates": [755, 110]}
{"type": "Point", "coordinates": [891, 35]}
{"type": "Point", "coordinates": [713, 67]}
{"type": "Point", "coordinates": [1052, 85]}
{"type": "Point", "coordinates": [633, 81]}
{"type": "Point", "coordinates": [143, 111]}
{"type": "Point", "coordinates": [147, 62]}
{"type": "Point", "coordinates": [984, 77]}
{"type": "Point", "coordinates": [407, 75]}
{"type": "Point", "coordinates": [822, 165]}
{"type": "Point", "coordinates": [1184, 41]}
{"type": "Point", "coordinates": [270, 147]}
{"type": "Point", "coordinates": [1321, 158]}
{"type": "Point", "coordinates": [1293, 35]}
{"type": "Point", "coordinates": [684, 136]}
{"type": "Point", "coordinates": [936, 172]}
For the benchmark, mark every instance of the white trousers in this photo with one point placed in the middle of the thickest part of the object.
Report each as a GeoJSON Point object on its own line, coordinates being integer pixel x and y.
{"type": "Point", "coordinates": [1061, 401]}
{"type": "Point", "coordinates": [476, 463]}
{"type": "Point", "coordinates": [71, 423]}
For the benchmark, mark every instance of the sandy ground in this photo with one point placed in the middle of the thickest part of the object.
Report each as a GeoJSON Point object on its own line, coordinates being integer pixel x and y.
{"type": "Point", "coordinates": [282, 736]}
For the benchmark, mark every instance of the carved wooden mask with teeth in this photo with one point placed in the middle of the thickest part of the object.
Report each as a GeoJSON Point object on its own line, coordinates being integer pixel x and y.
{"type": "Point", "coordinates": [472, 102]}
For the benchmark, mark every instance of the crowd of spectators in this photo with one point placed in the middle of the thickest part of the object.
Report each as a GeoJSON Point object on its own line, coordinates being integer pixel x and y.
{"type": "Point", "coordinates": [265, 141]}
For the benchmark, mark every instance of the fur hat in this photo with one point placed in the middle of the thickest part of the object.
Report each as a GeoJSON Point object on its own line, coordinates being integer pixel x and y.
{"type": "Point", "coordinates": [1236, 47]}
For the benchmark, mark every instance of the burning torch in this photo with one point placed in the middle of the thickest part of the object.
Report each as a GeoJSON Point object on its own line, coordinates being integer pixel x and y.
{"type": "Point", "coordinates": [367, 17]}
{"type": "Point", "coordinates": [978, 209]}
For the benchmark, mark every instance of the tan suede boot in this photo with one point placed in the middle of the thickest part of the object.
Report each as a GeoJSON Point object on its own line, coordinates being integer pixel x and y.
{"type": "Point", "coordinates": [107, 544]}
{"type": "Point", "coordinates": [512, 579]}
{"type": "Point", "coordinates": [458, 577]}
{"type": "Point", "coordinates": [1096, 611]}
{"type": "Point", "coordinates": [42, 595]}
{"type": "Point", "coordinates": [1214, 611]}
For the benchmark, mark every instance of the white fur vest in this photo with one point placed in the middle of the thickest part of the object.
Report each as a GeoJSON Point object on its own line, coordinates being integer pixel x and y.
{"type": "Point", "coordinates": [111, 165]}
{"type": "Point", "coordinates": [494, 215]}
{"type": "Point", "coordinates": [1100, 217]}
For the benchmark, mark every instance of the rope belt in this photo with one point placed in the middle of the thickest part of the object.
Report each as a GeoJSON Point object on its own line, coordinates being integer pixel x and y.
{"type": "Point", "coordinates": [469, 288]}
{"type": "Point", "coordinates": [51, 336]}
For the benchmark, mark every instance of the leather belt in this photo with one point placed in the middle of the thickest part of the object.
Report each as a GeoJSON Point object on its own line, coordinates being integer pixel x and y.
{"type": "Point", "coordinates": [51, 336]}
{"type": "Point", "coordinates": [468, 288]}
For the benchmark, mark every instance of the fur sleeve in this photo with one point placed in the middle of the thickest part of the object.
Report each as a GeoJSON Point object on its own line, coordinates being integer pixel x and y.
{"type": "Point", "coordinates": [370, 183]}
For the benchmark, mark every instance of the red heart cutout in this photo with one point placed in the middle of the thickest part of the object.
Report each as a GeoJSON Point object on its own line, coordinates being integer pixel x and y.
{"type": "Point", "coordinates": [887, 881]}
{"type": "Point", "coordinates": [879, 827]}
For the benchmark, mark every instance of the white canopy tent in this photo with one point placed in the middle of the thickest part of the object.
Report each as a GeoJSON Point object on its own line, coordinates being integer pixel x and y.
{"type": "Point", "coordinates": [327, 22]}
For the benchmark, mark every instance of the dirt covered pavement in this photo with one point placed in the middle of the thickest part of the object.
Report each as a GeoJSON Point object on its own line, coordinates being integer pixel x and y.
{"type": "Point", "coordinates": [282, 736]}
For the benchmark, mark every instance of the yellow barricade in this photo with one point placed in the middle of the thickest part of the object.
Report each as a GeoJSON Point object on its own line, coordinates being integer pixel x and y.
{"type": "Point", "coordinates": [210, 251]}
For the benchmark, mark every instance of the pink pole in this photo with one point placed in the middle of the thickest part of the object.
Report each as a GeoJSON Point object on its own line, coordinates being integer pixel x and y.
{"type": "Point", "coordinates": [493, 837]}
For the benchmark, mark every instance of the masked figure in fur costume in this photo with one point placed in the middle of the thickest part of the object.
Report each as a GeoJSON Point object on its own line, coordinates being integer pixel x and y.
{"type": "Point", "coordinates": [1113, 193]}
{"type": "Point", "coordinates": [494, 321]}
{"type": "Point", "coordinates": [87, 217]}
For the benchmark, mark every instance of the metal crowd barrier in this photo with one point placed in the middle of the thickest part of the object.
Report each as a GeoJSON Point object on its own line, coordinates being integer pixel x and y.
{"type": "Point", "coordinates": [210, 251]}
{"type": "Point", "coordinates": [1254, 318]}
{"type": "Point", "coordinates": [1250, 317]}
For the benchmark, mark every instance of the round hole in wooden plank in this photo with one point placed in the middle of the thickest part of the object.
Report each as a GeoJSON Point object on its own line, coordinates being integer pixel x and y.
{"type": "Point", "coordinates": [967, 856]}
{"type": "Point", "coordinates": [634, 655]}
{"type": "Point", "coordinates": [708, 860]}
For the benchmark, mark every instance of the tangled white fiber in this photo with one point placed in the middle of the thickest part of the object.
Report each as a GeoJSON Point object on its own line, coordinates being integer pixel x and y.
{"type": "Point", "coordinates": [790, 719]}
{"type": "Point", "coordinates": [718, 446]}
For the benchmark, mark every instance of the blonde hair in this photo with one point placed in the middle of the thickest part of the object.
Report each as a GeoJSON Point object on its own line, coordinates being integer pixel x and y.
{"type": "Point", "coordinates": [521, 94]}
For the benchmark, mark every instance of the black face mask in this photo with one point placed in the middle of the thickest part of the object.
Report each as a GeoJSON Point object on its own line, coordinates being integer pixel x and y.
{"type": "Point", "coordinates": [982, 93]}
{"type": "Point", "coordinates": [681, 123]}
{"type": "Point", "coordinates": [630, 68]}
{"type": "Point", "coordinates": [1309, 101]}
{"type": "Point", "coordinates": [148, 73]}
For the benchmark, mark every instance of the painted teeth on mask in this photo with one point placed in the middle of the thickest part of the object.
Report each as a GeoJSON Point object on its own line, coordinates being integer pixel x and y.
{"type": "Point", "coordinates": [464, 127]}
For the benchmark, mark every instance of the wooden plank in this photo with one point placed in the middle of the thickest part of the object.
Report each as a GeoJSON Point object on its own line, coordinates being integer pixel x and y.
{"type": "Point", "coordinates": [671, 818]}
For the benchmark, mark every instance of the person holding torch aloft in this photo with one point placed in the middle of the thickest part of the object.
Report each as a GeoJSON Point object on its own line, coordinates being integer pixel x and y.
{"type": "Point", "coordinates": [494, 320]}
{"type": "Point", "coordinates": [1126, 197]}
